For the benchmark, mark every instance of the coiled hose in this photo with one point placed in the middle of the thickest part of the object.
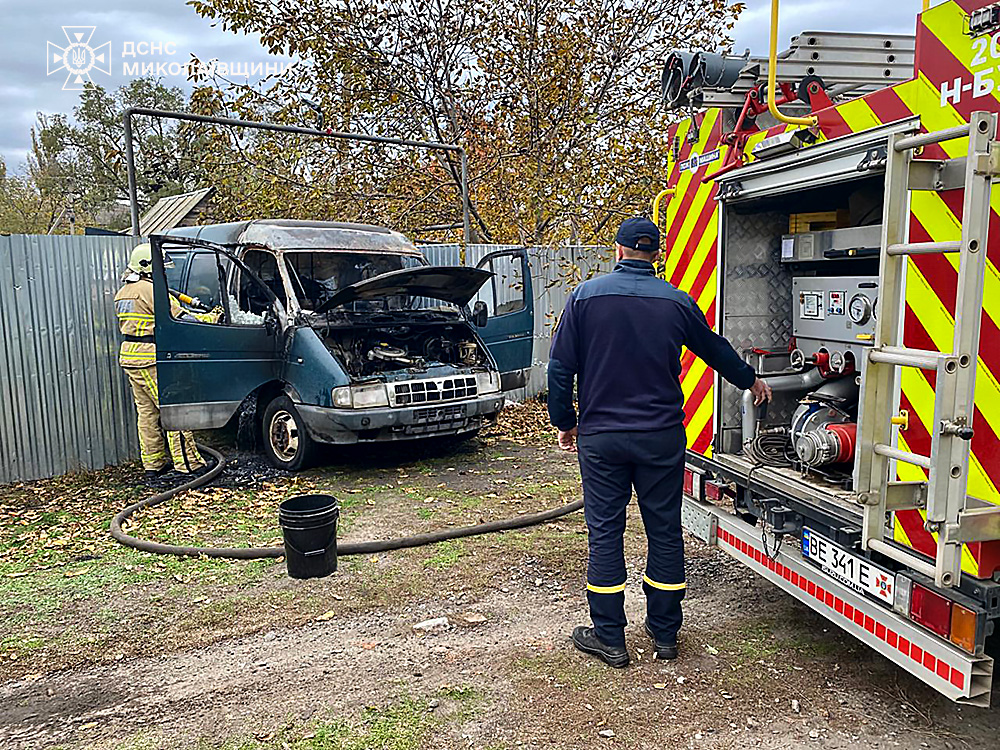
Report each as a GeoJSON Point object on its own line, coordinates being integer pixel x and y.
{"type": "Point", "coordinates": [347, 548]}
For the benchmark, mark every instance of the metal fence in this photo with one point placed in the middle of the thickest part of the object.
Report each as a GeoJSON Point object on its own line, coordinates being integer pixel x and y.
{"type": "Point", "coordinates": [66, 406]}
{"type": "Point", "coordinates": [555, 271]}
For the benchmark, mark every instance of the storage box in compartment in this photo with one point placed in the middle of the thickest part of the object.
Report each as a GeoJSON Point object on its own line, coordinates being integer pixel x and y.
{"type": "Point", "coordinates": [819, 221]}
{"type": "Point", "coordinates": [833, 244]}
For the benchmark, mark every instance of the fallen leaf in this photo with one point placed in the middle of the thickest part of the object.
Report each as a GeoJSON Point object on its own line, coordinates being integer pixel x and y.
{"type": "Point", "coordinates": [329, 615]}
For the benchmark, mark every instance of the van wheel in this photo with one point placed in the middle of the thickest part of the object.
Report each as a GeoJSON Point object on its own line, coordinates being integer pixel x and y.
{"type": "Point", "coordinates": [287, 444]}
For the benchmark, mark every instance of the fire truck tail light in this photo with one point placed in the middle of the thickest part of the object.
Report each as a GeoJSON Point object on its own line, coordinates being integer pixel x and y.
{"type": "Point", "coordinates": [901, 601]}
{"type": "Point", "coordinates": [930, 609]}
{"type": "Point", "coordinates": [963, 627]}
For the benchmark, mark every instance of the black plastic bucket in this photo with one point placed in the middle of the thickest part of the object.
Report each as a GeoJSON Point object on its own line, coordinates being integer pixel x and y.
{"type": "Point", "coordinates": [309, 527]}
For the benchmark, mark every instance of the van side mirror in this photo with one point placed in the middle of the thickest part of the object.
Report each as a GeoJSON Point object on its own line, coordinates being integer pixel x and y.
{"type": "Point", "coordinates": [479, 314]}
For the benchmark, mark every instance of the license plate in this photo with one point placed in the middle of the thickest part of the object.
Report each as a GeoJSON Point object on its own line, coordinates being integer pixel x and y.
{"type": "Point", "coordinates": [856, 572]}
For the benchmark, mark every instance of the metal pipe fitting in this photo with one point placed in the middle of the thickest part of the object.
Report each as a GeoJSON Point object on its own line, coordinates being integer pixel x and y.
{"type": "Point", "coordinates": [800, 381]}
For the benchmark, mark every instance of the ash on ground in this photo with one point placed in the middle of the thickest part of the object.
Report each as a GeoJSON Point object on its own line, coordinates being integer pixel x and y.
{"type": "Point", "coordinates": [245, 469]}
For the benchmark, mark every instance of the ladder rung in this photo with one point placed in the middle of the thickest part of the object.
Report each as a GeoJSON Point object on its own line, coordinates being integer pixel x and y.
{"type": "Point", "coordinates": [926, 139]}
{"type": "Point", "coordinates": [905, 456]}
{"type": "Point", "coordinates": [908, 559]}
{"type": "Point", "coordinates": [924, 248]}
{"type": "Point", "coordinates": [903, 357]}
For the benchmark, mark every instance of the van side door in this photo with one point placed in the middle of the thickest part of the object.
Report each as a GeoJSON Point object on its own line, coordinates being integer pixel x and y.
{"type": "Point", "coordinates": [205, 370]}
{"type": "Point", "coordinates": [509, 329]}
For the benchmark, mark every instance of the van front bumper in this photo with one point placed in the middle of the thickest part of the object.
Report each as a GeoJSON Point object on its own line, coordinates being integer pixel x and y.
{"type": "Point", "coordinates": [341, 426]}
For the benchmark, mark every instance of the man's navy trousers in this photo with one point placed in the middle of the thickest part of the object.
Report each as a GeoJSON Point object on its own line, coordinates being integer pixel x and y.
{"type": "Point", "coordinates": [611, 465]}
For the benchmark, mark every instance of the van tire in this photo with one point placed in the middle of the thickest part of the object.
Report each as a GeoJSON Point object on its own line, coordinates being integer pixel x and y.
{"type": "Point", "coordinates": [287, 444]}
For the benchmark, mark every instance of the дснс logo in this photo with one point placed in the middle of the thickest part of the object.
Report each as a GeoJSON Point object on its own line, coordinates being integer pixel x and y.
{"type": "Point", "coordinates": [78, 58]}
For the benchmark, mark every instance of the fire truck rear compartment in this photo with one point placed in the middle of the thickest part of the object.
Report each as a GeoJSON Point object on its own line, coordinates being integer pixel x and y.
{"type": "Point", "coordinates": [799, 295]}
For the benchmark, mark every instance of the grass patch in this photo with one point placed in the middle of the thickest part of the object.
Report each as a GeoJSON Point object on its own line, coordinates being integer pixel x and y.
{"type": "Point", "coordinates": [446, 554]}
{"type": "Point", "coordinates": [404, 725]}
{"type": "Point", "coordinates": [564, 668]}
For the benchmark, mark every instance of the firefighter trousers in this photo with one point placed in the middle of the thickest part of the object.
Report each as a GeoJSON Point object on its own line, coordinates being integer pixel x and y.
{"type": "Point", "coordinates": [611, 465]}
{"type": "Point", "coordinates": [153, 448]}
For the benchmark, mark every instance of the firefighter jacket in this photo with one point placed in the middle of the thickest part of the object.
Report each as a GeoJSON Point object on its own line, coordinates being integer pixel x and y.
{"type": "Point", "coordinates": [134, 308]}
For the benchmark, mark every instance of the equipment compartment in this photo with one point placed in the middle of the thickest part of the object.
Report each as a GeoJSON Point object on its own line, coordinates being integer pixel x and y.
{"type": "Point", "coordinates": [802, 307]}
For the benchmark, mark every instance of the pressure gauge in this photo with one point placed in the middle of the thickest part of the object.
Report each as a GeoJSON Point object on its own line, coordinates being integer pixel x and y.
{"type": "Point", "coordinates": [875, 308]}
{"type": "Point", "coordinates": [860, 309]}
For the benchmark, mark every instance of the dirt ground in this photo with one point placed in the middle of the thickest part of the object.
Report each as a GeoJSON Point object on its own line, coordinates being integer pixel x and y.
{"type": "Point", "coordinates": [105, 647]}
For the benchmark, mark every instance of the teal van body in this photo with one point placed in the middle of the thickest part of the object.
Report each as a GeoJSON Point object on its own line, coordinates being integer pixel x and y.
{"type": "Point", "coordinates": [335, 333]}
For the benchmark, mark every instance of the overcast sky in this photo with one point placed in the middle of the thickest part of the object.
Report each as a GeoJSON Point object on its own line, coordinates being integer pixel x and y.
{"type": "Point", "coordinates": [26, 88]}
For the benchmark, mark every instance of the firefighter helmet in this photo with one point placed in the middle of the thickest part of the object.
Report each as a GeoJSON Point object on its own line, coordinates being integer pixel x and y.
{"type": "Point", "coordinates": [141, 259]}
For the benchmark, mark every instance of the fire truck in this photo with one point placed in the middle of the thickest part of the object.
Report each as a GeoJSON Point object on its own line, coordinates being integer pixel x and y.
{"type": "Point", "coordinates": [831, 209]}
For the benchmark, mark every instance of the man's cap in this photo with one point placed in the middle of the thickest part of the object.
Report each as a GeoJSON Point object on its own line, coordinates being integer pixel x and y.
{"type": "Point", "coordinates": [639, 234]}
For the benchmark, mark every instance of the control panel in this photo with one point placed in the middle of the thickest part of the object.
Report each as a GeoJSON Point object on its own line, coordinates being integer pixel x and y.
{"type": "Point", "coordinates": [834, 319]}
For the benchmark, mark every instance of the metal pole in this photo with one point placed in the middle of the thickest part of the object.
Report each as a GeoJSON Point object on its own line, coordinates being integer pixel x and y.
{"type": "Point", "coordinates": [133, 199]}
{"type": "Point", "coordinates": [211, 119]}
{"type": "Point", "coordinates": [466, 222]}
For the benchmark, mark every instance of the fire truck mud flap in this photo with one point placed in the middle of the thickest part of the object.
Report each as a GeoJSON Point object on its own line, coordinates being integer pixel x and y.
{"type": "Point", "coordinates": [954, 673]}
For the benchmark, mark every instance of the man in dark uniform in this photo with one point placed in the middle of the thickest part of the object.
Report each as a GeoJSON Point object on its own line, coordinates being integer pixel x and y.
{"type": "Point", "coordinates": [621, 336]}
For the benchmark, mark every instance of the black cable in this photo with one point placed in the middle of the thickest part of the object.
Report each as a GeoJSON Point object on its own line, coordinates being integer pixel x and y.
{"type": "Point", "coordinates": [769, 449]}
{"type": "Point", "coordinates": [347, 548]}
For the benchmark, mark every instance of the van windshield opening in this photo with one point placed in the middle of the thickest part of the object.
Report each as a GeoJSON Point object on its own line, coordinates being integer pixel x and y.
{"type": "Point", "coordinates": [316, 276]}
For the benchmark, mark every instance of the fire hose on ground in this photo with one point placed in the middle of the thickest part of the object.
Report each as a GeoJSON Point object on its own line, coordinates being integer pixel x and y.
{"type": "Point", "coordinates": [346, 548]}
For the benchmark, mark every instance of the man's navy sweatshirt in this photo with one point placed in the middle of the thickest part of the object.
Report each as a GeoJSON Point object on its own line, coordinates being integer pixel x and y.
{"type": "Point", "coordinates": [621, 335]}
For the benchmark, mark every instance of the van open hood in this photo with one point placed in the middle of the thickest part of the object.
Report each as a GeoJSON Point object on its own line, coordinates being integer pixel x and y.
{"type": "Point", "coordinates": [455, 284]}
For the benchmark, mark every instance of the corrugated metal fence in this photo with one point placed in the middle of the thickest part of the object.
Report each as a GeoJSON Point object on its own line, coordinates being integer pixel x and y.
{"type": "Point", "coordinates": [66, 406]}
{"type": "Point", "coordinates": [555, 271]}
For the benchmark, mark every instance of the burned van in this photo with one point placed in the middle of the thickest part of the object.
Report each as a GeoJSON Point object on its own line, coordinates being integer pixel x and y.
{"type": "Point", "coordinates": [335, 333]}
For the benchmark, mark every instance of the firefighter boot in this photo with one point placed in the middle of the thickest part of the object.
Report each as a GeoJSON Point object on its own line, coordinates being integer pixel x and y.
{"type": "Point", "coordinates": [586, 640]}
{"type": "Point", "coordinates": [664, 650]}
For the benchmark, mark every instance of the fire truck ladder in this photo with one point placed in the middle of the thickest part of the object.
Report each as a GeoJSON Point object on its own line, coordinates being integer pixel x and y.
{"type": "Point", "coordinates": [952, 516]}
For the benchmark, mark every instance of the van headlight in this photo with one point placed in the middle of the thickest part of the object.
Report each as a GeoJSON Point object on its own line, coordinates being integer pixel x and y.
{"type": "Point", "coordinates": [360, 396]}
{"type": "Point", "coordinates": [487, 382]}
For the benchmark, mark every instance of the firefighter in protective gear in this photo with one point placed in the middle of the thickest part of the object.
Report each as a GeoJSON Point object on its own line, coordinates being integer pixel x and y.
{"type": "Point", "coordinates": [137, 355]}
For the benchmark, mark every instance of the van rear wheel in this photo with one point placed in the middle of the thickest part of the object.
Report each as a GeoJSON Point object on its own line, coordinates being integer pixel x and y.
{"type": "Point", "coordinates": [287, 444]}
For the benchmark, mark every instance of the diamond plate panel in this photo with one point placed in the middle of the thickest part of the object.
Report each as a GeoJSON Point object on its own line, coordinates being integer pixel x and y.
{"type": "Point", "coordinates": [756, 304]}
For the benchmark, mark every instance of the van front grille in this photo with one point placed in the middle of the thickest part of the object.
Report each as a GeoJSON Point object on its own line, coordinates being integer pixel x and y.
{"type": "Point", "coordinates": [433, 390]}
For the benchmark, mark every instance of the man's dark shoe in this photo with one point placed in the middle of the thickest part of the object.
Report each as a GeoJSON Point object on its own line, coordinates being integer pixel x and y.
{"type": "Point", "coordinates": [664, 650]}
{"type": "Point", "coordinates": [586, 640]}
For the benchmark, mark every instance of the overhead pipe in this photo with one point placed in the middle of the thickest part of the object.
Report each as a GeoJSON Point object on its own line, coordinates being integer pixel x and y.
{"type": "Point", "coordinates": [280, 128]}
{"type": "Point", "coordinates": [772, 78]}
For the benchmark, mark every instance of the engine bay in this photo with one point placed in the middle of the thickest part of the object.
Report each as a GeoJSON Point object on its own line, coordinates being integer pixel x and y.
{"type": "Point", "coordinates": [374, 349]}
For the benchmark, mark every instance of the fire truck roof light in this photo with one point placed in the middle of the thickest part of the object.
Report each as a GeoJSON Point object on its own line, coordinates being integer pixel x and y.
{"type": "Point", "coordinates": [963, 627]}
{"type": "Point", "coordinates": [930, 609]}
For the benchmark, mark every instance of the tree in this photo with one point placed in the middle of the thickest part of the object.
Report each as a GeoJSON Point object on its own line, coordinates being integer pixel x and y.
{"type": "Point", "coordinates": [24, 209]}
{"type": "Point", "coordinates": [555, 102]}
{"type": "Point", "coordinates": [79, 164]}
